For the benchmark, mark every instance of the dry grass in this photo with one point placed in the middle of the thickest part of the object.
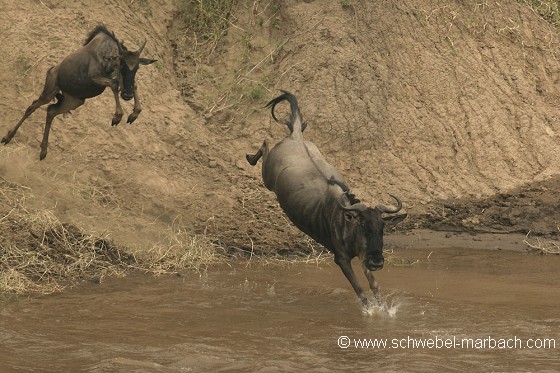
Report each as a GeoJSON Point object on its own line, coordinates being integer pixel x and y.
{"type": "Point", "coordinates": [203, 27]}
{"type": "Point", "coordinates": [543, 246]}
{"type": "Point", "coordinates": [181, 250]}
{"type": "Point", "coordinates": [206, 24]}
{"type": "Point", "coordinates": [547, 9]}
{"type": "Point", "coordinates": [40, 254]}
{"type": "Point", "coordinates": [316, 255]}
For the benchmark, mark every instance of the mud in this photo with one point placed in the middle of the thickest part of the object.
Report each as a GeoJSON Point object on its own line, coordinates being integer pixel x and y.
{"type": "Point", "coordinates": [529, 209]}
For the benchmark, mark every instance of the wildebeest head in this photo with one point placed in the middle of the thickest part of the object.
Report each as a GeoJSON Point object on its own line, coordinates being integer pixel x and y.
{"type": "Point", "coordinates": [366, 227]}
{"type": "Point", "coordinates": [130, 62]}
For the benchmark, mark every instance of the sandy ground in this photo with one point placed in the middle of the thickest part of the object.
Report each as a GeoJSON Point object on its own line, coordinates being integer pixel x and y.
{"type": "Point", "coordinates": [452, 106]}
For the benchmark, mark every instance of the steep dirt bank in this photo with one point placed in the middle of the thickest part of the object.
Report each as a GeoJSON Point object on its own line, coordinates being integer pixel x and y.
{"type": "Point", "coordinates": [429, 100]}
{"type": "Point", "coordinates": [532, 208]}
{"type": "Point", "coordinates": [118, 180]}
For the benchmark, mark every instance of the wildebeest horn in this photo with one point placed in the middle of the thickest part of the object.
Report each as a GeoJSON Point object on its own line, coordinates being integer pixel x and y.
{"type": "Point", "coordinates": [141, 47]}
{"type": "Point", "coordinates": [120, 46]}
{"type": "Point", "coordinates": [387, 210]}
{"type": "Point", "coordinates": [355, 207]}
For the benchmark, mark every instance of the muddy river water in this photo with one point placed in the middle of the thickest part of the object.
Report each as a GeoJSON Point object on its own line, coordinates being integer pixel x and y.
{"type": "Point", "coordinates": [459, 310]}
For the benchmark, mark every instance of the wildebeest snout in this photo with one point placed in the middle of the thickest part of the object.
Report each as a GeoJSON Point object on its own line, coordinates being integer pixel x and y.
{"type": "Point", "coordinates": [374, 264]}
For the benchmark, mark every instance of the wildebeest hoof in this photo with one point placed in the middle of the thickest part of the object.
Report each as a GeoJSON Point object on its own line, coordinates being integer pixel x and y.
{"type": "Point", "coordinates": [251, 159]}
{"type": "Point", "coordinates": [6, 139]}
{"type": "Point", "coordinates": [131, 118]}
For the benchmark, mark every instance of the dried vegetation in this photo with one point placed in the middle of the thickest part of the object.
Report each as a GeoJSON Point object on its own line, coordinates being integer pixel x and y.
{"type": "Point", "coordinates": [40, 254]}
{"type": "Point", "coordinates": [543, 246]}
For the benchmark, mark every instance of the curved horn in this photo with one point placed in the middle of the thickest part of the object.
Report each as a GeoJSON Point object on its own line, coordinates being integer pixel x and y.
{"type": "Point", "coordinates": [120, 46]}
{"type": "Point", "coordinates": [356, 207]}
{"type": "Point", "coordinates": [387, 210]}
{"type": "Point", "coordinates": [141, 47]}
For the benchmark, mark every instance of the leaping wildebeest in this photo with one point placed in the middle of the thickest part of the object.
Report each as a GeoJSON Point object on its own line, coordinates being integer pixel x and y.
{"type": "Point", "coordinates": [315, 197]}
{"type": "Point", "coordinates": [103, 61]}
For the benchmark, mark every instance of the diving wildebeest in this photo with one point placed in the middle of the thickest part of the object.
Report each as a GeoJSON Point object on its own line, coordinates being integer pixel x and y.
{"type": "Point", "coordinates": [315, 197]}
{"type": "Point", "coordinates": [102, 61]}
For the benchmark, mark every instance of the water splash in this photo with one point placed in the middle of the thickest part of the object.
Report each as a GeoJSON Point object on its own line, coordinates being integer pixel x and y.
{"type": "Point", "coordinates": [387, 306]}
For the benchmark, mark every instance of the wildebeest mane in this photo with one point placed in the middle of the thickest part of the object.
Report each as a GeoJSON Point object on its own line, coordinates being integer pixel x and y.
{"type": "Point", "coordinates": [100, 28]}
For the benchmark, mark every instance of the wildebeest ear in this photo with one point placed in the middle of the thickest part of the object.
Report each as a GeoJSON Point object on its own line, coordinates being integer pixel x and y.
{"type": "Point", "coordinates": [145, 61]}
{"type": "Point", "coordinates": [394, 219]}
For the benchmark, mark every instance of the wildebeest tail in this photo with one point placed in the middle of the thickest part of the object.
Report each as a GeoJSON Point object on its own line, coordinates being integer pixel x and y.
{"type": "Point", "coordinates": [296, 120]}
{"type": "Point", "coordinates": [345, 189]}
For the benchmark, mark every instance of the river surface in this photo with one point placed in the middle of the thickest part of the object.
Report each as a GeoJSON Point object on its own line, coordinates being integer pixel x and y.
{"type": "Point", "coordinates": [446, 309]}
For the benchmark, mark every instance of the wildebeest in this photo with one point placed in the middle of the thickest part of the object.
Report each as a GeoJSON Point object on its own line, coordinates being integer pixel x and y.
{"type": "Point", "coordinates": [102, 61]}
{"type": "Point", "coordinates": [315, 197]}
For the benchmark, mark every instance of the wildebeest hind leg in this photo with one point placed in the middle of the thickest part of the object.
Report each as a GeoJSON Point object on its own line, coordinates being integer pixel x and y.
{"type": "Point", "coordinates": [50, 90]}
{"type": "Point", "coordinates": [64, 105]}
{"type": "Point", "coordinates": [262, 152]}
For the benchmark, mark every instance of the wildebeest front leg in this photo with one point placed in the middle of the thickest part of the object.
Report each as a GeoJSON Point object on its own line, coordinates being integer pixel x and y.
{"type": "Point", "coordinates": [346, 267]}
{"type": "Point", "coordinates": [114, 85]}
{"type": "Point", "coordinates": [137, 107]}
{"type": "Point", "coordinates": [373, 285]}
{"type": "Point", "coordinates": [263, 151]}
{"type": "Point", "coordinates": [118, 109]}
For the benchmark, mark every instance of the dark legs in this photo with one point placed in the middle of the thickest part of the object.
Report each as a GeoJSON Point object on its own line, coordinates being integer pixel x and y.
{"type": "Point", "coordinates": [372, 283]}
{"type": "Point", "coordinates": [137, 107]}
{"type": "Point", "coordinates": [65, 104]}
{"type": "Point", "coordinates": [263, 151]}
{"type": "Point", "coordinates": [50, 90]}
{"type": "Point", "coordinates": [118, 109]}
{"type": "Point", "coordinates": [114, 85]}
{"type": "Point", "coordinates": [346, 267]}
